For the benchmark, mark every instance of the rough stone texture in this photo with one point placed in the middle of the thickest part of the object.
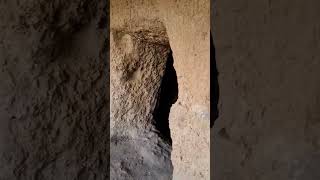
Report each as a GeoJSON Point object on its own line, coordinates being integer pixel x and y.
{"type": "Point", "coordinates": [137, 67]}
{"type": "Point", "coordinates": [188, 28]}
{"type": "Point", "coordinates": [186, 24]}
{"type": "Point", "coordinates": [267, 54]}
{"type": "Point", "coordinates": [54, 112]}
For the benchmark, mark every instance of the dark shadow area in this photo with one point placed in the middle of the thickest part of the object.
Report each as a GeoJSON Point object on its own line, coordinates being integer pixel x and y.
{"type": "Point", "coordinates": [214, 84]}
{"type": "Point", "coordinates": [168, 96]}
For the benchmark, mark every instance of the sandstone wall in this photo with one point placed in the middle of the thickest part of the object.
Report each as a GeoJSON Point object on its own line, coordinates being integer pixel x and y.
{"type": "Point", "coordinates": [137, 66]}
{"type": "Point", "coordinates": [188, 28]}
{"type": "Point", "coordinates": [186, 25]}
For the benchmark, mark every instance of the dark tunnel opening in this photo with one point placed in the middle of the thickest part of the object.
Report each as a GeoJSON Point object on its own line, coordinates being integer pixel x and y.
{"type": "Point", "coordinates": [168, 96]}
{"type": "Point", "coordinates": [214, 84]}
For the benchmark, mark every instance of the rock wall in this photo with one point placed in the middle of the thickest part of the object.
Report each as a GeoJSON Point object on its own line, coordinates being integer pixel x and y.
{"type": "Point", "coordinates": [186, 26]}
{"type": "Point", "coordinates": [139, 148]}
{"type": "Point", "coordinates": [267, 54]}
{"type": "Point", "coordinates": [54, 89]}
{"type": "Point", "coordinates": [54, 110]}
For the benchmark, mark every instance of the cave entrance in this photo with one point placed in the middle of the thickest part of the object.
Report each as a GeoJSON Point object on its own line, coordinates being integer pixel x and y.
{"type": "Point", "coordinates": [167, 97]}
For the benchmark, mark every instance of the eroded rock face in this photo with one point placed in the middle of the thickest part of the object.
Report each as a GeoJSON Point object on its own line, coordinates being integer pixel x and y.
{"type": "Point", "coordinates": [53, 90]}
{"type": "Point", "coordinates": [139, 148]}
{"type": "Point", "coordinates": [187, 26]}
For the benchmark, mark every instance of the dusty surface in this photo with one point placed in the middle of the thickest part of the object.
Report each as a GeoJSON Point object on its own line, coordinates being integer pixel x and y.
{"type": "Point", "coordinates": [186, 25]}
{"type": "Point", "coordinates": [267, 55]}
{"type": "Point", "coordinates": [54, 112]}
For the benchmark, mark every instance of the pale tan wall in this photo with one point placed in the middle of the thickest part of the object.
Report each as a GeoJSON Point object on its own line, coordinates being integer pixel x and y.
{"type": "Point", "coordinates": [187, 24]}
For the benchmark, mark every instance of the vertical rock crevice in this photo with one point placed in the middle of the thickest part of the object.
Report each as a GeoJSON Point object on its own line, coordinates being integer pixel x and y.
{"type": "Point", "coordinates": [168, 95]}
{"type": "Point", "coordinates": [214, 85]}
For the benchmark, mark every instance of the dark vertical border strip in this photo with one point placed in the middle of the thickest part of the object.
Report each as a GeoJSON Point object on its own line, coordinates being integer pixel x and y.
{"type": "Point", "coordinates": [108, 78]}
